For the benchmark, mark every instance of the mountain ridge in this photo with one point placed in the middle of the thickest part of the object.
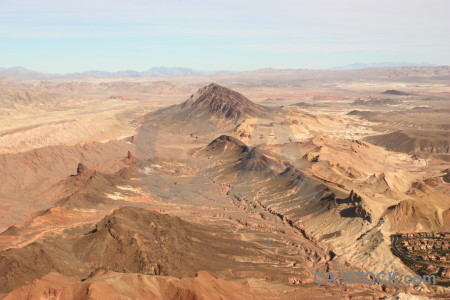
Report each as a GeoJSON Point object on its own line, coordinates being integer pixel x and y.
{"type": "Point", "coordinates": [21, 73]}
{"type": "Point", "coordinates": [356, 66]}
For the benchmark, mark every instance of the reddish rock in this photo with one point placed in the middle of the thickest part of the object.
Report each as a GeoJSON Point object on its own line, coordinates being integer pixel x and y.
{"type": "Point", "coordinates": [82, 170]}
{"type": "Point", "coordinates": [130, 157]}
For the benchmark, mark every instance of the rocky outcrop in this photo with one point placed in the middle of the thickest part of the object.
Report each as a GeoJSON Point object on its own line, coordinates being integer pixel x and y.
{"type": "Point", "coordinates": [260, 160]}
{"type": "Point", "coordinates": [225, 143]}
{"type": "Point", "coordinates": [362, 211]}
{"type": "Point", "coordinates": [130, 158]}
{"type": "Point", "coordinates": [354, 197]}
{"type": "Point", "coordinates": [312, 157]}
{"type": "Point", "coordinates": [82, 170]}
{"type": "Point", "coordinates": [446, 176]}
{"type": "Point", "coordinates": [357, 207]}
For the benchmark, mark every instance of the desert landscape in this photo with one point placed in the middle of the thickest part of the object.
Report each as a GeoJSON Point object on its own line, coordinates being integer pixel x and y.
{"type": "Point", "coordinates": [233, 185]}
{"type": "Point", "coordinates": [224, 150]}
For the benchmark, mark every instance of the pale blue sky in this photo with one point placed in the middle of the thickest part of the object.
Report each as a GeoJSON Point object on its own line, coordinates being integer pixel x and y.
{"type": "Point", "coordinates": [74, 36]}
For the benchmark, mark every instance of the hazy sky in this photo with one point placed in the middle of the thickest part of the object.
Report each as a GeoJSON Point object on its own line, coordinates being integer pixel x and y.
{"type": "Point", "coordinates": [111, 35]}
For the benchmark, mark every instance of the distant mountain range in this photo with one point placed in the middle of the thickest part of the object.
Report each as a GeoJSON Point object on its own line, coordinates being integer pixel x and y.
{"type": "Point", "coordinates": [356, 66]}
{"type": "Point", "coordinates": [21, 73]}
{"type": "Point", "coordinates": [156, 71]}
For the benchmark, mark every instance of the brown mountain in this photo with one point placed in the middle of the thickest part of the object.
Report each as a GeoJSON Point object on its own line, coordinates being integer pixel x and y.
{"type": "Point", "coordinates": [225, 144]}
{"type": "Point", "coordinates": [221, 102]}
{"type": "Point", "coordinates": [130, 240]}
{"type": "Point", "coordinates": [209, 108]}
{"type": "Point", "coordinates": [261, 161]}
{"type": "Point", "coordinates": [395, 93]}
{"type": "Point", "coordinates": [114, 286]}
{"type": "Point", "coordinates": [414, 141]}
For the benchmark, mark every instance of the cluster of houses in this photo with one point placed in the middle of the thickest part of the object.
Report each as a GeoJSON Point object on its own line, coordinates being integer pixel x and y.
{"type": "Point", "coordinates": [431, 247]}
{"type": "Point", "coordinates": [442, 258]}
{"type": "Point", "coordinates": [426, 235]}
{"type": "Point", "coordinates": [426, 242]}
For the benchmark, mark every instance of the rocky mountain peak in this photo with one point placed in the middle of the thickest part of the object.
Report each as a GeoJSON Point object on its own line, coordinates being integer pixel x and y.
{"type": "Point", "coordinates": [222, 102]}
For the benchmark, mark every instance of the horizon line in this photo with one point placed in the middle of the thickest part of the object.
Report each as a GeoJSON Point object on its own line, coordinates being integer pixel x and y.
{"type": "Point", "coordinates": [346, 67]}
